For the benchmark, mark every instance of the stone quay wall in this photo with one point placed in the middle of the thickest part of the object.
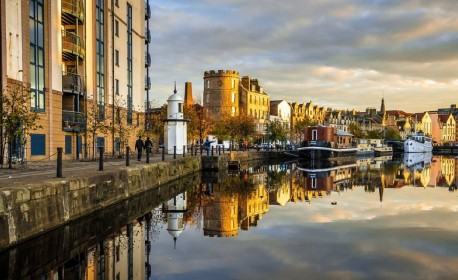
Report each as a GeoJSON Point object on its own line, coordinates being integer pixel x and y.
{"type": "Point", "coordinates": [33, 209]}
{"type": "Point", "coordinates": [39, 207]}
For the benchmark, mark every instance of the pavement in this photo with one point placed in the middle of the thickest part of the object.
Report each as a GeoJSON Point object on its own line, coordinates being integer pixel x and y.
{"type": "Point", "coordinates": [36, 171]}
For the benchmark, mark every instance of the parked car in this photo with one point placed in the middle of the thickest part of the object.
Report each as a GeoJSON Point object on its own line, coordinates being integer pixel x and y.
{"type": "Point", "coordinates": [290, 147]}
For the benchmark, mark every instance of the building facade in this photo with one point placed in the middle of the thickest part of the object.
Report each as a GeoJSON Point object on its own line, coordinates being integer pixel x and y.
{"type": "Point", "coordinates": [78, 60]}
{"type": "Point", "coordinates": [254, 102]}
{"type": "Point", "coordinates": [221, 92]}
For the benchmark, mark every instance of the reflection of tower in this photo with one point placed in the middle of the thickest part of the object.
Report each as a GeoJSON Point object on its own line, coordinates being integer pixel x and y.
{"type": "Point", "coordinates": [174, 209]}
{"type": "Point", "coordinates": [221, 215]}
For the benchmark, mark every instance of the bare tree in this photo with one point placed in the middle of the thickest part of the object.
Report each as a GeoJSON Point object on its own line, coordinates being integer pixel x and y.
{"type": "Point", "coordinates": [17, 118]}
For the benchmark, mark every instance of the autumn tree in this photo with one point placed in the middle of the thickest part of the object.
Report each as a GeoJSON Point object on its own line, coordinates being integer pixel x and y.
{"type": "Point", "coordinates": [235, 128]}
{"type": "Point", "coordinates": [356, 130]}
{"type": "Point", "coordinates": [96, 124]}
{"type": "Point", "coordinates": [17, 118]}
{"type": "Point", "coordinates": [392, 134]}
{"type": "Point", "coordinates": [277, 132]}
{"type": "Point", "coordinates": [300, 127]}
{"type": "Point", "coordinates": [200, 122]}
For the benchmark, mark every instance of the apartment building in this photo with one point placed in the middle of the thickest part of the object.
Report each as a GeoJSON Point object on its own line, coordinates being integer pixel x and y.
{"type": "Point", "coordinates": [84, 64]}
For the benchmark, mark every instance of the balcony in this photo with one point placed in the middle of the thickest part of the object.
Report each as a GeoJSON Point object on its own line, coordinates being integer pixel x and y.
{"type": "Point", "coordinates": [72, 83]}
{"type": "Point", "coordinates": [147, 11]}
{"type": "Point", "coordinates": [72, 46]}
{"type": "Point", "coordinates": [73, 121]}
{"type": "Point", "coordinates": [147, 60]}
{"type": "Point", "coordinates": [72, 12]}
{"type": "Point", "coordinates": [147, 36]}
{"type": "Point", "coordinates": [147, 83]}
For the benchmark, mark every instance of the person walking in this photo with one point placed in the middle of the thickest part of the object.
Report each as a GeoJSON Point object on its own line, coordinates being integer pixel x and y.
{"type": "Point", "coordinates": [139, 147]}
{"type": "Point", "coordinates": [148, 145]}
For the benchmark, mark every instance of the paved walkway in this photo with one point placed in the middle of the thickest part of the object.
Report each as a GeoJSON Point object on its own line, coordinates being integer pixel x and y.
{"type": "Point", "coordinates": [35, 171]}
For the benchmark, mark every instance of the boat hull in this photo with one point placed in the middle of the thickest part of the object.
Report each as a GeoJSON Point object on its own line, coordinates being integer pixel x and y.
{"type": "Point", "coordinates": [412, 146]}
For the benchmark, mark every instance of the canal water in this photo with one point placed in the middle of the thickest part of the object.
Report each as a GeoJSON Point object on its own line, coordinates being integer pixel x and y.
{"type": "Point", "coordinates": [373, 218]}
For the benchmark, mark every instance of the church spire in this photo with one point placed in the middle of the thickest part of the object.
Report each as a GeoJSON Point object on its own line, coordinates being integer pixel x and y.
{"type": "Point", "coordinates": [382, 107]}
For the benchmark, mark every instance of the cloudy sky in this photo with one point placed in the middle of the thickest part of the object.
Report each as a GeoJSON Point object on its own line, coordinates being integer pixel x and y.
{"type": "Point", "coordinates": [337, 53]}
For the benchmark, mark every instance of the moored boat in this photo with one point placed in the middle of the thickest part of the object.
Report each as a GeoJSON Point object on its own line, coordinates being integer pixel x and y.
{"type": "Point", "coordinates": [418, 143]}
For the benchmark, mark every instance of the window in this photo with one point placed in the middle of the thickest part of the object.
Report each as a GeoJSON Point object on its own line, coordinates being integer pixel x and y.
{"type": "Point", "coordinates": [100, 58]}
{"type": "Point", "coordinates": [117, 57]}
{"type": "Point", "coordinates": [117, 86]}
{"type": "Point", "coordinates": [207, 98]}
{"type": "Point", "coordinates": [233, 111]}
{"type": "Point", "coordinates": [208, 84]}
{"type": "Point", "coordinates": [117, 3]}
{"type": "Point", "coordinates": [68, 144]}
{"type": "Point", "coordinates": [37, 60]}
{"type": "Point", "coordinates": [233, 97]}
{"type": "Point", "coordinates": [180, 107]}
{"type": "Point", "coordinates": [233, 83]}
{"type": "Point", "coordinates": [313, 183]}
{"type": "Point", "coordinates": [38, 144]}
{"type": "Point", "coordinates": [314, 135]}
{"type": "Point", "coordinates": [129, 65]}
{"type": "Point", "coordinates": [117, 28]}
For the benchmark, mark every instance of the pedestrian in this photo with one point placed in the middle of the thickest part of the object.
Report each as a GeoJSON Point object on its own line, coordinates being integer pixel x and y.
{"type": "Point", "coordinates": [139, 147]}
{"type": "Point", "coordinates": [148, 145]}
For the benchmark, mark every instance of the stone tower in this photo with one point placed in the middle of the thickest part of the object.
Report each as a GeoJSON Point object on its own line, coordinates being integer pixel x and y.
{"type": "Point", "coordinates": [382, 107]}
{"type": "Point", "coordinates": [221, 92]}
{"type": "Point", "coordinates": [188, 94]}
{"type": "Point", "coordinates": [175, 126]}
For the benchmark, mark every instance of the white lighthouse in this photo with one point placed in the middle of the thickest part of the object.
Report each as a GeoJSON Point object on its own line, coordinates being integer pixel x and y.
{"type": "Point", "coordinates": [175, 127]}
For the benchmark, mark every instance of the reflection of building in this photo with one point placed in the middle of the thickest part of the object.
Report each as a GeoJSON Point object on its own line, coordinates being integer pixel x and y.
{"type": "Point", "coordinates": [253, 206]}
{"type": "Point", "coordinates": [281, 195]}
{"type": "Point", "coordinates": [120, 257]}
{"type": "Point", "coordinates": [174, 210]}
{"type": "Point", "coordinates": [220, 215]}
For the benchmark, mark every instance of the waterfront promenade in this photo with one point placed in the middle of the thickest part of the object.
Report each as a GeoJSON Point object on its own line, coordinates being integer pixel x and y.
{"type": "Point", "coordinates": [40, 171]}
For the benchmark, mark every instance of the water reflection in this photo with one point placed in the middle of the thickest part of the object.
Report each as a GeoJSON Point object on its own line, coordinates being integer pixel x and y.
{"type": "Point", "coordinates": [166, 231]}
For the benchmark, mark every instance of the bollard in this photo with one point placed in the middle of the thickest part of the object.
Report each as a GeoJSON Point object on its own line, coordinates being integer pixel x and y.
{"type": "Point", "coordinates": [201, 150]}
{"type": "Point", "coordinates": [127, 155]}
{"type": "Point", "coordinates": [192, 149]}
{"type": "Point", "coordinates": [212, 150]}
{"type": "Point", "coordinates": [101, 159]}
{"type": "Point", "coordinates": [174, 152]}
{"type": "Point", "coordinates": [223, 149]}
{"type": "Point", "coordinates": [147, 154]}
{"type": "Point", "coordinates": [184, 150]}
{"type": "Point", "coordinates": [163, 153]}
{"type": "Point", "coordinates": [59, 162]}
{"type": "Point", "coordinates": [219, 150]}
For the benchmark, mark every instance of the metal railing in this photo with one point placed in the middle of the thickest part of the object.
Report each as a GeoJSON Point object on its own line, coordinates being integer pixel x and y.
{"type": "Point", "coordinates": [147, 59]}
{"type": "Point", "coordinates": [73, 83]}
{"type": "Point", "coordinates": [147, 83]}
{"type": "Point", "coordinates": [147, 11]}
{"type": "Point", "coordinates": [73, 121]}
{"type": "Point", "coordinates": [74, 7]}
{"type": "Point", "coordinates": [147, 36]}
{"type": "Point", "coordinates": [73, 43]}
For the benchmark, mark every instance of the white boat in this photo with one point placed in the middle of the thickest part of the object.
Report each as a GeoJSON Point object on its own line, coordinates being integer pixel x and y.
{"type": "Point", "coordinates": [418, 143]}
{"type": "Point", "coordinates": [379, 148]}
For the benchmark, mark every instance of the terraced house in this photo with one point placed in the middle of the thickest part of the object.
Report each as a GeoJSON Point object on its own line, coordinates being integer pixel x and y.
{"type": "Point", "coordinates": [84, 63]}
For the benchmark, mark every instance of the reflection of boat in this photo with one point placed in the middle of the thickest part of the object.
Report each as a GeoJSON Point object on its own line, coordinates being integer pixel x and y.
{"type": "Point", "coordinates": [418, 143]}
{"type": "Point", "coordinates": [417, 160]}
{"type": "Point", "coordinates": [364, 148]}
